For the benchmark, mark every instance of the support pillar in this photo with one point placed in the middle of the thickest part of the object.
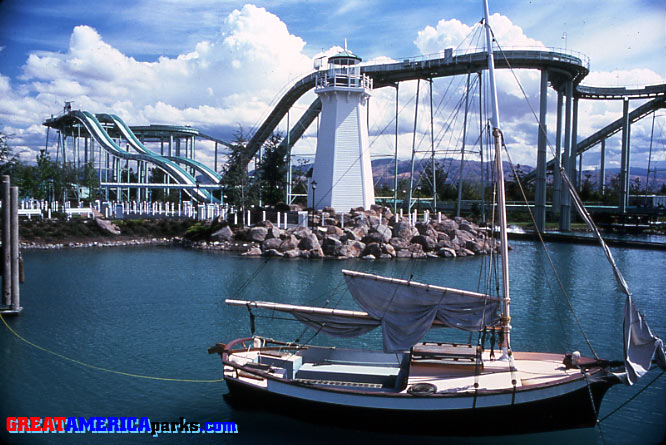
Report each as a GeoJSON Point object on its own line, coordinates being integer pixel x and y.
{"type": "Point", "coordinates": [411, 168]}
{"type": "Point", "coordinates": [395, 155]}
{"type": "Point", "coordinates": [540, 192]}
{"type": "Point", "coordinates": [574, 146]}
{"type": "Point", "coordinates": [565, 199]}
{"type": "Point", "coordinates": [462, 151]}
{"type": "Point", "coordinates": [557, 178]}
{"type": "Point", "coordinates": [602, 173]}
{"type": "Point", "coordinates": [624, 160]}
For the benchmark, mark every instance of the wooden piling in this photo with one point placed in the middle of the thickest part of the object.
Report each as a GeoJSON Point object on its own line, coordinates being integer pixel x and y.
{"type": "Point", "coordinates": [16, 296]}
{"type": "Point", "coordinates": [6, 248]}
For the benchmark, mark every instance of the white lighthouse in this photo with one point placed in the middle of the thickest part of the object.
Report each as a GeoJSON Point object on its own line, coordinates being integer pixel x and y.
{"type": "Point", "coordinates": [342, 171]}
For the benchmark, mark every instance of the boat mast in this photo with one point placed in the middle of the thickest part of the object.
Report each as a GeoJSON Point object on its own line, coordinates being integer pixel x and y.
{"type": "Point", "coordinates": [501, 201]}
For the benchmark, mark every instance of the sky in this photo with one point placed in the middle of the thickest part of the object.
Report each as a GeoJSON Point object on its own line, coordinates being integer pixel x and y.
{"type": "Point", "coordinates": [219, 65]}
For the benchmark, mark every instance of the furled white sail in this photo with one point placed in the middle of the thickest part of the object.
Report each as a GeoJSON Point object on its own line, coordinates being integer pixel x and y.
{"type": "Point", "coordinates": [640, 345]}
{"type": "Point", "coordinates": [407, 310]}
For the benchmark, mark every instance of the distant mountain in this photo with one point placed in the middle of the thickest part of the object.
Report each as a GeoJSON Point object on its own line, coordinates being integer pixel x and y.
{"type": "Point", "coordinates": [384, 171]}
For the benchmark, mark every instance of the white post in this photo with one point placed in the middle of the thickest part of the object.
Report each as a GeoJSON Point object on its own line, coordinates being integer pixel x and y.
{"type": "Point", "coordinates": [342, 221]}
{"type": "Point", "coordinates": [249, 223]}
{"type": "Point", "coordinates": [236, 219]}
{"type": "Point", "coordinates": [278, 220]}
{"type": "Point", "coordinates": [400, 213]}
{"type": "Point", "coordinates": [263, 215]}
{"type": "Point", "coordinates": [439, 217]}
{"type": "Point", "coordinates": [285, 220]}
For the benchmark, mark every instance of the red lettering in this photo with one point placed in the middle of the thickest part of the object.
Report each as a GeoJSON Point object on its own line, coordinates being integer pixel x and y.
{"type": "Point", "coordinates": [60, 423]}
{"type": "Point", "coordinates": [48, 425]}
{"type": "Point", "coordinates": [12, 423]}
{"type": "Point", "coordinates": [36, 424]}
{"type": "Point", "coordinates": [23, 424]}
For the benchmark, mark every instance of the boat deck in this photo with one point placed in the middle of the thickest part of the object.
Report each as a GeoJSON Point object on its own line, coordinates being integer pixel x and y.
{"type": "Point", "coordinates": [397, 373]}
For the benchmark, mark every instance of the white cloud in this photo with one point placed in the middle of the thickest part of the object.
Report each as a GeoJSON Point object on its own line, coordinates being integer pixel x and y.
{"type": "Point", "coordinates": [223, 82]}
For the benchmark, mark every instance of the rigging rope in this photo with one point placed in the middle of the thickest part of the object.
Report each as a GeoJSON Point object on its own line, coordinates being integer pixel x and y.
{"type": "Point", "coordinates": [550, 260]}
{"type": "Point", "coordinates": [100, 368]}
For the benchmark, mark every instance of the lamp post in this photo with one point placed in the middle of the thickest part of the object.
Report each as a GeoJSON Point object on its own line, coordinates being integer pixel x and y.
{"type": "Point", "coordinates": [314, 187]}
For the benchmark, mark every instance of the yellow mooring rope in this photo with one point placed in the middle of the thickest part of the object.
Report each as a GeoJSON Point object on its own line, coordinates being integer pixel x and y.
{"type": "Point", "coordinates": [99, 368]}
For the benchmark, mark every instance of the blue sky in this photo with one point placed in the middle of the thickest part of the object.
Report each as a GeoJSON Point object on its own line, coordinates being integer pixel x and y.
{"type": "Point", "coordinates": [218, 64]}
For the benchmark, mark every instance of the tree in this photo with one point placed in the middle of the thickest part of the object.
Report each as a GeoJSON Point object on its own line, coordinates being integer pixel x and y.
{"type": "Point", "coordinates": [7, 158]}
{"type": "Point", "coordinates": [273, 171]}
{"type": "Point", "coordinates": [235, 177]}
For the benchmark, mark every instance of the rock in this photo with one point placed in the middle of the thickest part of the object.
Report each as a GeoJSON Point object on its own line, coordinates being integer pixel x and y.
{"type": "Point", "coordinates": [368, 257]}
{"type": "Point", "coordinates": [373, 221]}
{"type": "Point", "coordinates": [273, 232]}
{"type": "Point", "coordinates": [385, 256]}
{"type": "Point", "coordinates": [360, 220]}
{"type": "Point", "coordinates": [446, 243]}
{"type": "Point", "coordinates": [373, 249]}
{"type": "Point", "coordinates": [272, 253]}
{"type": "Point", "coordinates": [309, 242]}
{"type": "Point", "coordinates": [271, 244]}
{"type": "Point", "coordinates": [331, 245]}
{"type": "Point", "coordinates": [223, 234]}
{"type": "Point", "coordinates": [446, 252]}
{"type": "Point", "coordinates": [252, 251]}
{"type": "Point", "coordinates": [385, 232]}
{"type": "Point", "coordinates": [427, 243]}
{"type": "Point", "coordinates": [361, 231]}
{"type": "Point", "coordinates": [301, 232]}
{"type": "Point", "coordinates": [404, 253]}
{"type": "Point", "coordinates": [257, 234]}
{"type": "Point", "coordinates": [402, 229]}
{"type": "Point", "coordinates": [418, 254]}
{"type": "Point", "coordinates": [351, 235]}
{"type": "Point", "coordinates": [334, 230]}
{"type": "Point", "coordinates": [446, 226]}
{"type": "Point", "coordinates": [475, 246]}
{"type": "Point", "coordinates": [294, 253]}
{"type": "Point", "coordinates": [441, 236]}
{"type": "Point", "coordinates": [469, 227]}
{"type": "Point", "coordinates": [316, 253]}
{"type": "Point", "coordinates": [289, 243]}
{"type": "Point", "coordinates": [353, 249]}
{"type": "Point", "coordinates": [399, 243]}
{"type": "Point", "coordinates": [107, 226]}
{"type": "Point", "coordinates": [388, 250]}
{"type": "Point", "coordinates": [329, 210]}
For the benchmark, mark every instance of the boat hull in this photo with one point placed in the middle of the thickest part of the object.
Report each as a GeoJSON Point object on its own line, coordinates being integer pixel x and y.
{"type": "Point", "coordinates": [571, 409]}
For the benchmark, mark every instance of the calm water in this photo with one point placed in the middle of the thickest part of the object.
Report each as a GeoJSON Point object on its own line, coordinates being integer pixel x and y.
{"type": "Point", "coordinates": [156, 311]}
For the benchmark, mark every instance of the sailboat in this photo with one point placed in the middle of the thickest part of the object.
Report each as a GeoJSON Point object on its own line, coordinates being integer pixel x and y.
{"type": "Point", "coordinates": [417, 386]}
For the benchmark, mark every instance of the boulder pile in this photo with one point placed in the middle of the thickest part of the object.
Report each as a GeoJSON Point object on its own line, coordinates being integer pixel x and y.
{"type": "Point", "coordinates": [367, 234]}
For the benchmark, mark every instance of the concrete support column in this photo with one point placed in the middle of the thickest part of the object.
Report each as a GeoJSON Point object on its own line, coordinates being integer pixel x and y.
{"type": "Point", "coordinates": [540, 192]}
{"type": "Point", "coordinates": [574, 146]}
{"type": "Point", "coordinates": [557, 178]}
{"type": "Point", "coordinates": [624, 160]}
{"type": "Point", "coordinates": [565, 207]}
{"type": "Point", "coordinates": [215, 164]}
{"type": "Point", "coordinates": [602, 172]}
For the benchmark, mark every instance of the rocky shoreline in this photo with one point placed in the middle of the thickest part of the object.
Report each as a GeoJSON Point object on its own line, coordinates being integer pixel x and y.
{"type": "Point", "coordinates": [371, 234]}
{"type": "Point", "coordinates": [366, 234]}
